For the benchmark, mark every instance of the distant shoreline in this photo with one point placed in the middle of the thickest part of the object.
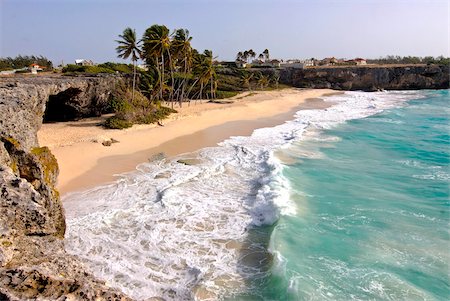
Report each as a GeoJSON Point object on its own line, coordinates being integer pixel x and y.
{"type": "Point", "coordinates": [85, 164]}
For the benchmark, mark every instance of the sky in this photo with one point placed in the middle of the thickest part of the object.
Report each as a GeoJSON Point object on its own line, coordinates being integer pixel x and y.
{"type": "Point", "coordinates": [65, 30]}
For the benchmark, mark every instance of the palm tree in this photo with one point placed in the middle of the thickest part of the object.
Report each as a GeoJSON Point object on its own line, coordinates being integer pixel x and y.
{"type": "Point", "coordinates": [251, 54]}
{"type": "Point", "coordinates": [245, 79]}
{"type": "Point", "coordinates": [156, 46]}
{"type": "Point", "coordinates": [210, 71]}
{"type": "Point", "coordinates": [204, 71]}
{"type": "Point", "coordinates": [183, 52]}
{"type": "Point", "coordinates": [239, 56]}
{"type": "Point", "coordinates": [245, 56]}
{"type": "Point", "coordinates": [266, 54]}
{"type": "Point", "coordinates": [263, 81]}
{"type": "Point", "coordinates": [128, 46]}
{"type": "Point", "coordinates": [276, 80]}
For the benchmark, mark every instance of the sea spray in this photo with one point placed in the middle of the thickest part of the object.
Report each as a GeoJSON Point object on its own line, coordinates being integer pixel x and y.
{"type": "Point", "coordinates": [179, 231]}
{"type": "Point", "coordinates": [377, 221]}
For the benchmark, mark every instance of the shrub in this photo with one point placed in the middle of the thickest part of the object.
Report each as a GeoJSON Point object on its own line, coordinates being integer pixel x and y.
{"type": "Point", "coordinates": [116, 122]}
{"type": "Point", "coordinates": [122, 68]}
{"type": "Point", "coordinates": [156, 115]}
{"type": "Point", "coordinates": [86, 69]}
{"type": "Point", "coordinates": [225, 94]}
{"type": "Point", "coordinates": [116, 104]}
{"type": "Point", "coordinates": [72, 68]}
{"type": "Point", "coordinates": [23, 71]}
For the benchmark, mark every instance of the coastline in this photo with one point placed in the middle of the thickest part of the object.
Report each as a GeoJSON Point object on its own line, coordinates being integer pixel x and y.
{"type": "Point", "coordinates": [85, 163]}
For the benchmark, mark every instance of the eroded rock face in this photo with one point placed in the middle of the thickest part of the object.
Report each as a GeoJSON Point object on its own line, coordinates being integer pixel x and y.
{"type": "Point", "coordinates": [33, 261]}
{"type": "Point", "coordinates": [371, 78]}
{"type": "Point", "coordinates": [64, 97]}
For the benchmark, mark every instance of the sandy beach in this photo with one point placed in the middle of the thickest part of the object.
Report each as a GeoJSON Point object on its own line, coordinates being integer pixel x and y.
{"type": "Point", "coordinates": [85, 162]}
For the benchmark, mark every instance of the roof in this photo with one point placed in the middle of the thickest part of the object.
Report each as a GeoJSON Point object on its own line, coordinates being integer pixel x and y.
{"type": "Point", "coordinates": [81, 61]}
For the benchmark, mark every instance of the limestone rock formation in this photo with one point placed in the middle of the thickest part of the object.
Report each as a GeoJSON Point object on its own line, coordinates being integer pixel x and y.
{"type": "Point", "coordinates": [370, 78]}
{"type": "Point", "coordinates": [33, 261]}
{"type": "Point", "coordinates": [66, 97]}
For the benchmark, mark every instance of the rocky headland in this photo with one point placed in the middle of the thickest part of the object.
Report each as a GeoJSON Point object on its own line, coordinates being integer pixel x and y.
{"type": "Point", "coordinates": [33, 262]}
{"type": "Point", "coordinates": [369, 78]}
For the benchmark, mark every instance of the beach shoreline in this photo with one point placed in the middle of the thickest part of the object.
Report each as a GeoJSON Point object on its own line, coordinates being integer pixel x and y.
{"type": "Point", "coordinates": [85, 163]}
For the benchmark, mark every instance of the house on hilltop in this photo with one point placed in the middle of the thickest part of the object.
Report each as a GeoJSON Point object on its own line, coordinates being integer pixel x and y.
{"type": "Point", "coordinates": [295, 64]}
{"type": "Point", "coordinates": [266, 63]}
{"type": "Point", "coordinates": [358, 61]}
{"type": "Point", "coordinates": [329, 61]}
{"type": "Point", "coordinates": [83, 62]}
{"type": "Point", "coordinates": [34, 68]}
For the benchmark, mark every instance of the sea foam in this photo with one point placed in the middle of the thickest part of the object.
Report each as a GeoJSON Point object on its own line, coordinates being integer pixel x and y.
{"type": "Point", "coordinates": [178, 231]}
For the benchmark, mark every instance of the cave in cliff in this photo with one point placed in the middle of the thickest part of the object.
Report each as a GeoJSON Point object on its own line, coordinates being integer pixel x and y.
{"type": "Point", "coordinates": [59, 106]}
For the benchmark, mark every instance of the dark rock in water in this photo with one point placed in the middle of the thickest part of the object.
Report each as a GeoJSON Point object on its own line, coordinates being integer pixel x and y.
{"type": "Point", "coordinates": [157, 157]}
{"type": "Point", "coordinates": [33, 262]}
{"type": "Point", "coordinates": [189, 161]}
{"type": "Point", "coordinates": [369, 78]}
{"type": "Point", "coordinates": [107, 143]}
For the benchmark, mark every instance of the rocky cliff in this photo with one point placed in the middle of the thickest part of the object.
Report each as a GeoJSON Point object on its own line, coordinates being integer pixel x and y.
{"type": "Point", "coordinates": [369, 78]}
{"type": "Point", "coordinates": [33, 261]}
{"type": "Point", "coordinates": [66, 97]}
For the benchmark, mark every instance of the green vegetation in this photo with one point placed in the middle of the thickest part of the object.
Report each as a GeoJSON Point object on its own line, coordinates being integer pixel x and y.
{"type": "Point", "coordinates": [116, 67]}
{"type": "Point", "coordinates": [248, 55]}
{"type": "Point", "coordinates": [396, 59]}
{"type": "Point", "coordinates": [225, 94]}
{"type": "Point", "coordinates": [176, 72]}
{"type": "Point", "coordinates": [23, 61]}
{"type": "Point", "coordinates": [115, 122]}
{"type": "Point", "coordinates": [129, 110]}
{"type": "Point", "coordinates": [129, 47]}
{"type": "Point", "coordinates": [107, 67]}
{"type": "Point", "coordinates": [86, 69]}
{"type": "Point", "coordinates": [49, 167]}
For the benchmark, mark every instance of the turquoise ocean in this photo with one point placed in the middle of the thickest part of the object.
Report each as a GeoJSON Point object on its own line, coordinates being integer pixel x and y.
{"type": "Point", "coordinates": [346, 203]}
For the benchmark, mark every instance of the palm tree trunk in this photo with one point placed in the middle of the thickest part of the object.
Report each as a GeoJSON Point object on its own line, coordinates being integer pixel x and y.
{"type": "Point", "coordinates": [183, 83]}
{"type": "Point", "coordinates": [201, 90]}
{"type": "Point", "coordinates": [162, 74]}
{"type": "Point", "coordinates": [171, 75]}
{"type": "Point", "coordinates": [134, 80]}
{"type": "Point", "coordinates": [212, 96]}
{"type": "Point", "coordinates": [159, 77]}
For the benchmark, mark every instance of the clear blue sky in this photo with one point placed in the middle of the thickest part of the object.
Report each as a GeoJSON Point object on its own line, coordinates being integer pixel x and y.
{"type": "Point", "coordinates": [69, 29]}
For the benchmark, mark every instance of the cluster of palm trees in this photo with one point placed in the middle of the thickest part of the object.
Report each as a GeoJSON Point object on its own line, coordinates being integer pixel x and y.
{"type": "Point", "coordinates": [249, 55]}
{"type": "Point", "coordinates": [176, 71]}
{"type": "Point", "coordinates": [262, 80]}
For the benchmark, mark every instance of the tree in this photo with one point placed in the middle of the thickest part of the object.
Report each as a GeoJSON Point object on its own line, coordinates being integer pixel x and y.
{"type": "Point", "coordinates": [251, 54]}
{"type": "Point", "coordinates": [245, 55]}
{"type": "Point", "coordinates": [204, 72]}
{"type": "Point", "coordinates": [263, 80]}
{"type": "Point", "coordinates": [156, 46]}
{"type": "Point", "coordinates": [276, 80]}
{"type": "Point", "coordinates": [129, 47]}
{"type": "Point", "coordinates": [183, 52]}
{"type": "Point", "coordinates": [245, 79]}
{"type": "Point", "coordinates": [210, 72]}
{"type": "Point", "coordinates": [266, 54]}
{"type": "Point", "coordinates": [240, 56]}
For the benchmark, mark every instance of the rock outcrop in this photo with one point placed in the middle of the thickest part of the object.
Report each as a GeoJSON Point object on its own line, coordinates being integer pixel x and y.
{"type": "Point", "coordinates": [33, 261]}
{"type": "Point", "coordinates": [369, 78]}
{"type": "Point", "coordinates": [66, 97]}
